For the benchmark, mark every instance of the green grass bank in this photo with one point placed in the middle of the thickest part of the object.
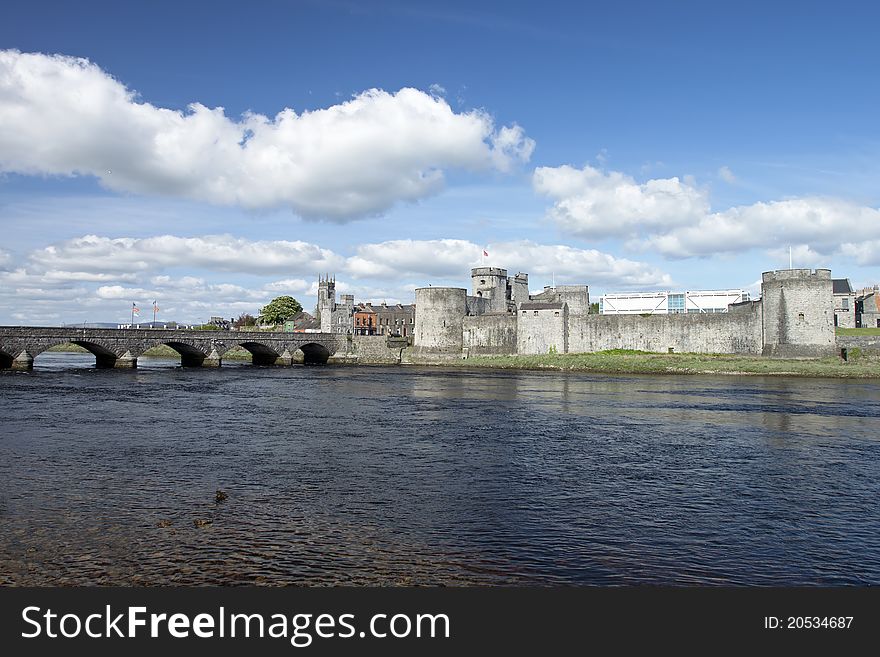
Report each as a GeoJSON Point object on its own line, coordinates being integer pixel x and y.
{"type": "Point", "coordinates": [621, 361]}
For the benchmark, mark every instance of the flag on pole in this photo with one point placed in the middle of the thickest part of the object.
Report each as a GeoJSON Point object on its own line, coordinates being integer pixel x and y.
{"type": "Point", "coordinates": [134, 309]}
{"type": "Point", "coordinates": [155, 307]}
{"type": "Point", "coordinates": [485, 254]}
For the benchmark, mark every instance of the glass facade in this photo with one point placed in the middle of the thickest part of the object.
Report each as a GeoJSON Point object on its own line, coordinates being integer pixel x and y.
{"type": "Point", "coordinates": [675, 303]}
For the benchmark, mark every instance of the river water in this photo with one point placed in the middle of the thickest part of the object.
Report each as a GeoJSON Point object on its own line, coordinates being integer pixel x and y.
{"type": "Point", "coordinates": [389, 475]}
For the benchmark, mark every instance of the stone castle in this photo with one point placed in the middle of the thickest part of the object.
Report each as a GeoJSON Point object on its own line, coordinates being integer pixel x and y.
{"type": "Point", "coordinates": [793, 318]}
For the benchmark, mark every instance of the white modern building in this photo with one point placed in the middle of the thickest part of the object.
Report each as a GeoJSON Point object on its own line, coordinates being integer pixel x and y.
{"type": "Point", "coordinates": [666, 303]}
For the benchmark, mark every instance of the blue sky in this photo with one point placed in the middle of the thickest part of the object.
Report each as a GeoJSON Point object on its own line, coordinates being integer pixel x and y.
{"type": "Point", "coordinates": [623, 145]}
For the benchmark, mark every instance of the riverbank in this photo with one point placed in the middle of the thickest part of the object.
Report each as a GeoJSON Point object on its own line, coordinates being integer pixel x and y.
{"type": "Point", "coordinates": [636, 362]}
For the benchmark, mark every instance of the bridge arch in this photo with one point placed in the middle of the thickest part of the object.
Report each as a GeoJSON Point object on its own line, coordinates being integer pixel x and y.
{"type": "Point", "coordinates": [5, 360]}
{"type": "Point", "coordinates": [190, 355]}
{"type": "Point", "coordinates": [261, 354]}
{"type": "Point", "coordinates": [314, 353]}
{"type": "Point", "coordinates": [105, 355]}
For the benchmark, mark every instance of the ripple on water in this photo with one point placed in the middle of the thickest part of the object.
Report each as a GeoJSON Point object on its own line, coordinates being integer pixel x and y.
{"type": "Point", "coordinates": [402, 476]}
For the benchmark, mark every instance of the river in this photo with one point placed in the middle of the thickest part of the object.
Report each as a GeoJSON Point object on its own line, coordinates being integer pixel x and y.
{"type": "Point", "coordinates": [342, 475]}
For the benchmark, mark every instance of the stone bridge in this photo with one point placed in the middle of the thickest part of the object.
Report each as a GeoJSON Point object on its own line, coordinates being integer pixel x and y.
{"type": "Point", "coordinates": [19, 345]}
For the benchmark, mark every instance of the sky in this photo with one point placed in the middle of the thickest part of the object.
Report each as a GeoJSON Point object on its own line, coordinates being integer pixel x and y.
{"type": "Point", "coordinates": [213, 156]}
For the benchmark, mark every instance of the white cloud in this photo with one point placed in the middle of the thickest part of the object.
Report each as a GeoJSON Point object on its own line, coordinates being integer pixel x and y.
{"type": "Point", "coordinates": [121, 255]}
{"type": "Point", "coordinates": [592, 203]}
{"type": "Point", "coordinates": [826, 225]}
{"type": "Point", "coordinates": [574, 265]}
{"type": "Point", "coordinates": [801, 255]}
{"type": "Point", "coordinates": [65, 116]}
{"type": "Point", "coordinates": [5, 259]}
{"type": "Point", "coordinates": [726, 175]}
{"type": "Point", "coordinates": [865, 253]}
{"type": "Point", "coordinates": [451, 258]}
{"type": "Point", "coordinates": [447, 257]}
{"type": "Point", "coordinates": [291, 286]}
{"type": "Point", "coordinates": [673, 217]}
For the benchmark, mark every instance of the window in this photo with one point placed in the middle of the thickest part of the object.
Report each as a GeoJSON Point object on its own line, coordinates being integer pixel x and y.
{"type": "Point", "coordinates": [844, 304]}
{"type": "Point", "coordinates": [536, 313]}
{"type": "Point", "coordinates": [800, 317]}
{"type": "Point", "coordinates": [556, 314]}
{"type": "Point", "coordinates": [675, 303]}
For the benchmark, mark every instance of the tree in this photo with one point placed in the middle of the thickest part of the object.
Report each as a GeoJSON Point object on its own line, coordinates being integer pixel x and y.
{"type": "Point", "coordinates": [245, 319]}
{"type": "Point", "coordinates": [279, 309]}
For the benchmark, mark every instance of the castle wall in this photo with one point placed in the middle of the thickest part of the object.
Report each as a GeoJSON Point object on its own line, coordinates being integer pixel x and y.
{"type": "Point", "coordinates": [798, 313]}
{"type": "Point", "coordinates": [722, 333]}
{"type": "Point", "coordinates": [489, 334]}
{"type": "Point", "coordinates": [440, 312]}
{"type": "Point", "coordinates": [375, 350]}
{"type": "Point", "coordinates": [541, 328]}
{"type": "Point", "coordinates": [478, 305]}
{"type": "Point", "coordinates": [868, 345]}
{"type": "Point", "coordinates": [794, 319]}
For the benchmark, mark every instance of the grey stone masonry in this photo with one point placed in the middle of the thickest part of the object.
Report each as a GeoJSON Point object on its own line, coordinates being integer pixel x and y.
{"type": "Point", "coordinates": [19, 345]}
{"type": "Point", "coordinates": [798, 313]}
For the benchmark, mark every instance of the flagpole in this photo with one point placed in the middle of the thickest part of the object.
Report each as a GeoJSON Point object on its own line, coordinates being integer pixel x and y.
{"type": "Point", "coordinates": [132, 316]}
{"type": "Point", "coordinates": [154, 313]}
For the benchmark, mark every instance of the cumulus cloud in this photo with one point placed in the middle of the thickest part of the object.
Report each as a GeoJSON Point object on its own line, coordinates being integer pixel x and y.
{"type": "Point", "coordinates": [592, 203]}
{"type": "Point", "coordinates": [865, 253]}
{"type": "Point", "coordinates": [446, 257]}
{"type": "Point", "coordinates": [673, 217]}
{"type": "Point", "coordinates": [453, 258]}
{"type": "Point", "coordinates": [92, 253]}
{"type": "Point", "coordinates": [828, 226]}
{"type": "Point", "coordinates": [97, 278]}
{"type": "Point", "coordinates": [726, 175]}
{"type": "Point", "coordinates": [65, 116]}
{"type": "Point", "coordinates": [802, 255]}
{"type": "Point", "coordinates": [577, 265]}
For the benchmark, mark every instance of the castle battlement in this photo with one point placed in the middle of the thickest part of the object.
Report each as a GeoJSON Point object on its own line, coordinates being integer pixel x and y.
{"type": "Point", "coordinates": [489, 271]}
{"type": "Point", "coordinates": [796, 274]}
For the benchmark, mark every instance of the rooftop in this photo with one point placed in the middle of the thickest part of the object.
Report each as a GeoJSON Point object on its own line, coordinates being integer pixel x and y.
{"type": "Point", "coordinates": [841, 286]}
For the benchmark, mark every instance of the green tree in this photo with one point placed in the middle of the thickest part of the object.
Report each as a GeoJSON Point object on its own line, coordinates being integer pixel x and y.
{"type": "Point", "coordinates": [279, 309]}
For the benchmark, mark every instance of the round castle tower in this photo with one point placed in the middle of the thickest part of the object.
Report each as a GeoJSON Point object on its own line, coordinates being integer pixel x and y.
{"type": "Point", "coordinates": [798, 311]}
{"type": "Point", "coordinates": [490, 283]}
{"type": "Point", "coordinates": [439, 315]}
